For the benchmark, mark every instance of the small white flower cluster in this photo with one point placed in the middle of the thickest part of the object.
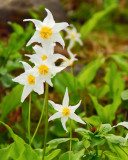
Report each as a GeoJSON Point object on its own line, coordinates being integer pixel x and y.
{"type": "Point", "coordinates": [47, 33]}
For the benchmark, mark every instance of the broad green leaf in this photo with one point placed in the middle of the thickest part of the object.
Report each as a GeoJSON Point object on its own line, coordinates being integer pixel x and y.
{"type": "Point", "coordinates": [111, 155]}
{"type": "Point", "coordinates": [88, 73]}
{"type": "Point", "coordinates": [115, 139]}
{"type": "Point", "coordinates": [17, 28]}
{"type": "Point", "coordinates": [124, 95]}
{"type": "Point", "coordinates": [53, 154]}
{"type": "Point", "coordinates": [121, 151]}
{"type": "Point", "coordinates": [75, 156]}
{"type": "Point", "coordinates": [55, 142]}
{"type": "Point", "coordinates": [11, 101]}
{"type": "Point", "coordinates": [18, 150]}
{"type": "Point", "coordinates": [91, 23]}
{"type": "Point", "coordinates": [94, 120]}
{"type": "Point", "coordinates": [105, 128]}
{"type": "Point", "coordinates": [7, 80]}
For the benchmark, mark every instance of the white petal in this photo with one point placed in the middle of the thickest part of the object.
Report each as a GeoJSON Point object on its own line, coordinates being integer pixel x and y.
{"type": "Point", "coordinates": [55, 57]}
{"type": "Point", "coordinates": [124, 124]}
{"type": "Point", "coordinates": [66, 99]}
{"type": "Point", "coordinates": [57, 107]}
{"type": "Point", "coordinates": [126, 138]}
{"type": "Point", "coordinates": [59, 26]}
{"type": "Point", "coordinates": [48, 80]}
{"type": "Point", "coordinates": [54, 116]}
{"type": "Point", "coordinates": [39, 50]}
{"type": "Point", "coordinates": [57, 38]}
{"type": "Point", "coordinates": [21, 79]}
{"type": "Point", "coordinates": [34, 58]}
{"type": "Point", "coordinates": [63, 121]}
{"type": "Point", "coordinates": [26, 66]}
{"type": "Point", "coordinates": [39, 86]}
{"type": "Point", "coordinates": [73, 108]}
{"type": "Point", "coordinates": [76, 118]}
{"type": "Point", "coordinates": [26, 91]}
{"type": "Point", "coordinates": [56, 69]}
{"type": "Point", "coordinates": [49, 21]}
{"type": "Point", "coordinates": [35, 38]}
{"type": "Point", "coordinates": [79, 41]}
{"type": "Point", "coordinates": [37, 23]}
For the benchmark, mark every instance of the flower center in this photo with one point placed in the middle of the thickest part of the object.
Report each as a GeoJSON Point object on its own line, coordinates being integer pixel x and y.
{"type": "Point", "coordinates": [43, 70]}
{"type": "Point", "coordinates": [31, 79]}
{"type": "Point", "coordinates": [65, 111]}
{"type": "Point", "coordinates": [46, 32]}
{"type": "Point", "coordinates": [44, 57]}
{"type": "Point", "coordinates": [73, 35]}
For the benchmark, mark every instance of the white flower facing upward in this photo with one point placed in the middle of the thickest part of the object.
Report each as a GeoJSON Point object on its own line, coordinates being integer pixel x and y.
{"type": "Point", "coordinates": [73, 36]}
{"type": "Point", "coordinates": [69, 62]}
{"type": "Point", "coordinates": [47, 31]}
{"type": "Point", "coordinates": [30, 81]}
{"type": "Point", "coordinates": [65, 111]}
{"type": "Point", "coordinates": [45, 54]}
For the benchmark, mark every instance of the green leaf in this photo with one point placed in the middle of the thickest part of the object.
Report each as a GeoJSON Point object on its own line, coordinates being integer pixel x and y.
{"type": "Point", "coordinates": [94, 120]}
{"type": "Point", "coordinates": [53, 154]}
{"type": "Point", "coordinates": [105, 128]}
{"type": "Point", "coordinates": [17, 28]}
{"type": "Point", "coordinates": [7, 80]}
{"type": "Point", "coordinates": [111, 155]}
{"type": "Point", "coordinates": [76, 156]}
{"type": "Point", "coordinates": [88, 73]}
{"type": "Point", "coordinates": [18, 150]}
{"type": "Point", "coordinates": [91, 23]}
{"type": "Point", "coordinates": [11, 101]}
{"type": "Point", "coordinates": [53, 143]}
{"type": "Point", "coordinates": [115, 139]}
{"type": "Point", "coordinates": [124, 95]}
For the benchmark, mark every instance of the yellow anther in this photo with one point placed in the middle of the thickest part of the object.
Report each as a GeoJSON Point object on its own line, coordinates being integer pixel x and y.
{"type": "Point", "coordinates": [44, 57]}
{"type": "Point", "coordinates": [73, 35]}
{"type": "Point", "coordinates": [43, 69]}
{"type": "Point", "coordinates": [65, 111]}
{"type": "Point", "coordinates": [31, 79]}
{"type": "Point", "coordinates": [46, 32]}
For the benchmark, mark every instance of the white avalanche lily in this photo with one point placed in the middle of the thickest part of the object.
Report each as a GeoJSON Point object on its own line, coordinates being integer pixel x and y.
{"type": "Point", "coordinates": [65, 111]}
{"type": "Point", "coordinates": [45, 54]}
{"type": "Point", "coordinates": [45, 70]}
{"type": "Point", "coordinates": [73, 36]}
{"type": "Point", "coordinates": [69, 62]}
{"type": "Point", "coordinates": [47, 31]}
{"type": "Point", "coordinates": [124, 124]}
{"type": "Point", "coordinates": [30, 81]}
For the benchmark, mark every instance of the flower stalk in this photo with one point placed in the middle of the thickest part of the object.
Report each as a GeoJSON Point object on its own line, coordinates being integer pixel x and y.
{"type": "Point", "coordinates": [29, 117]}
{"type": "Point", "coordinates": [70, 139]}
{"type": "Point", "coordinates": [46, 118]}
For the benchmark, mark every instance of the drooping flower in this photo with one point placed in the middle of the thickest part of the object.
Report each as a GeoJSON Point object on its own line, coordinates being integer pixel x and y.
{"type": "Point", "coordinates": [45, 70]}
{"type": "Point", "coordinates": [70, 61]}
{"type": "Point", "coordinates": [45, 54]}
{"type": "Point", "coordinates": [47, 31]}
{"type": "Point", "coordinates": [73, 36]}
{"type": "Point", "coordinates": [30, 81]}
{"type": "Point", "coordinates": [124, 124]}
{"type": "Point", "coordinates": [65, 111]}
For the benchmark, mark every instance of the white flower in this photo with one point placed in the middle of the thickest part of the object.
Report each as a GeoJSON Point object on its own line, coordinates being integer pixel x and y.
{"type": "Point", "coordinates": [73, 36]}
{"type": "Point", "coordinates": [124, 124]}
{"type": "Point", "coordinates": [45, 70]}
{"type": "Point", "coordinates": [30, 81]}
{"type": "Point", "coordinates": [65, 111]}
{"type": "Point", "coordinates": [69, 62]}
{"type": "Point", "coordinates": [47, 31]}
{"type": "Point", "coordinates": [45, 54]}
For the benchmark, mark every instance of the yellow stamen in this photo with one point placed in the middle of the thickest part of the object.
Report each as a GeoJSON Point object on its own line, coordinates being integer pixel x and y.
{"type": "Point", "coordinates": [44, 57]}
{"type": "Point", "coordinates": [43, 70]}
{"type": "Point", "coordinates": [46, 32]}
{"type": "Point", "coordinates": [73, 35]}
{"type": "Point", "coordinates": [65, 111]}
{"type": "Point", "coordinates": [31, 79]}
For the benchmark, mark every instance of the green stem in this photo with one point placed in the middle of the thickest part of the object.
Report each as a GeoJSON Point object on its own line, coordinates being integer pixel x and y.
{"type": "Point", "coordinates": [97, 151]}
{"type": "Point", "coordinates": [84, 102]}
{"type": "Point", "coordinates": [41, 116]}
{"type": "Point", "coordinates": [29, 112]}
{"type": "Point", "coordinates": [70, 139]}
{"type": "Point", "coordinates": [46, 119]}
{"type": "Point", "coordinates": [72, 70]}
